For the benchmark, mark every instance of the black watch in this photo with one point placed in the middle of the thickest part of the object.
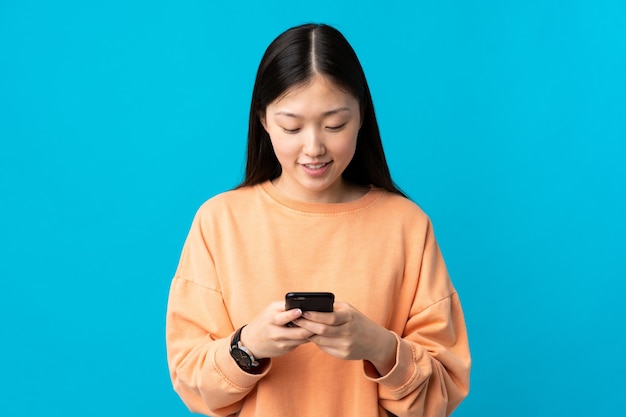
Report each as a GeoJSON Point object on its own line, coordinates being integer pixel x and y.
{"type": "Point", "coordinates": [241, 355]}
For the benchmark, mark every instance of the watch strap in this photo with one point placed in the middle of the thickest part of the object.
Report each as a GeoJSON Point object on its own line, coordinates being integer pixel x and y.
{"type": "Point", "coordinates": [235, 345]}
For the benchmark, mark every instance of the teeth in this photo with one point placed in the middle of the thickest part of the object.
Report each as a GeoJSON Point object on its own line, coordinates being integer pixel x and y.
{"type": "Point", "coordinates": [314, 166]}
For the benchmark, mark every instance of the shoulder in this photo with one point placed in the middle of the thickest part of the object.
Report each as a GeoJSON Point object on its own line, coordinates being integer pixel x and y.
{"type": "Point", "coordinates": [400, 206]}
{"type": "Point", "coordinates": [228, 202]}
{"type": "Point", "coordinates": [400, 215]}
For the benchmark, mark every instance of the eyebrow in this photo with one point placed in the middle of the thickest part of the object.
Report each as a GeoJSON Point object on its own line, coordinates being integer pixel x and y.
{"type": "Point", "coordinates": [327, 113]}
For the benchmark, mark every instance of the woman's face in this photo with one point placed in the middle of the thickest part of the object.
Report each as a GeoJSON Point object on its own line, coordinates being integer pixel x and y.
{"type": "Point", "coordinates": [313, 129]}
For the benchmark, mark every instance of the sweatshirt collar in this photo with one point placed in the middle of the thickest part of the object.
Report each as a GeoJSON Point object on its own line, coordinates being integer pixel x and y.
{"type": "Point", "coordinates": [361, 203]}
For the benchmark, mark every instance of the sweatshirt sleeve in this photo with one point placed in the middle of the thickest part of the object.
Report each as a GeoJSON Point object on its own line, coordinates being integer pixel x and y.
{"type": "Point", "coordinates": [198, 333]}
{"type": "Point", "coordinates": [431, 375]}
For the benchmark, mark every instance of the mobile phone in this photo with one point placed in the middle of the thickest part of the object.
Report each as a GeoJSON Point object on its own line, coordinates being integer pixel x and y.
{"type": "Point", "coordinates": [310, 301]}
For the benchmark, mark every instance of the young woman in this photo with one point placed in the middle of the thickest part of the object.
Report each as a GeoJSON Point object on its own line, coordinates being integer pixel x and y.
{"type": "Point", "coordinates": [317, 211]}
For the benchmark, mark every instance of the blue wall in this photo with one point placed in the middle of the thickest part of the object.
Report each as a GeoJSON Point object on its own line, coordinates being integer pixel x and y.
{"type": "Point", "coordinates": [504, 120]}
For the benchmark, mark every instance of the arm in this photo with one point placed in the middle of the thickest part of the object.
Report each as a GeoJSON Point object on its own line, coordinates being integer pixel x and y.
{"type": "Point", "coordinates": [425, 374]}
{"type": "Point", "coordinates": [199, 330]}
{"type": "Point", "coordinates": [198, 333]}
{"type": "Point", "coordinates": [431, 374]}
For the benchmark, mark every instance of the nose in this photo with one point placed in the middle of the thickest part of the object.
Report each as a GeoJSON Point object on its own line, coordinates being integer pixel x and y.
{"type": "Point", "coordinates": [314, 143]}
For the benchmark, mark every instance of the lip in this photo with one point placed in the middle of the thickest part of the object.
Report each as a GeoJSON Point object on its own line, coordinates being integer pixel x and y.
{"type": "Point", "coordinates": [316, 169]}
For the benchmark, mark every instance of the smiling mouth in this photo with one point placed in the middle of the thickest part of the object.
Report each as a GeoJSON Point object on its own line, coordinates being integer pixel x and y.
{"type": "Point", "coordinates": [316, 166]}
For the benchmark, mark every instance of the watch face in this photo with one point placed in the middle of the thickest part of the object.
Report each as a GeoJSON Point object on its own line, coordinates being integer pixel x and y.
{"type": "Point", "coordinates": [241, 357]}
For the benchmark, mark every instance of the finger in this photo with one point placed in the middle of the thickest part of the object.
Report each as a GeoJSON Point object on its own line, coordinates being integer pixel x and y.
{"type": "Point", "coordinates": [316, 328]}
{"type": "Point", "coordinates": [331, 319]}
{"type": "Point", "coordinates": [286, 317]}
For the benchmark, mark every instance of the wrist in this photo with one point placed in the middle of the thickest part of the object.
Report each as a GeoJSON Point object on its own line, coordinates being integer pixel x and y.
{"type": "Point", "coordinates": [242, 355]}
{"type": "Point", "coordinates": [385, 354]}
{"type": "Point", "coordinates": [245, 341]}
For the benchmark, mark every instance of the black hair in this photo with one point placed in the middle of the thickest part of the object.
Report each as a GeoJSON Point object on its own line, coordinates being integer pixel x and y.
{"type": "Point", "coordinates": [291, 60]}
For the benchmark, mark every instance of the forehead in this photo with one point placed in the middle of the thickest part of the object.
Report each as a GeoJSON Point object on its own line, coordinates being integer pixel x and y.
{"type": "Point", "coordinates": [318, 94]}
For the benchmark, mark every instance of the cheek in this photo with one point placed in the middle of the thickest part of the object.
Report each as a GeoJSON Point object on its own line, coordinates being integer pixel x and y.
{"type": "Point", "coordinates": [347, 145]}
{"type": "Point", "coordinates": [283, 147]}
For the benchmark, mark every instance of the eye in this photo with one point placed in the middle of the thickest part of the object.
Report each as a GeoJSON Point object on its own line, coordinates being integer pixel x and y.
{"type": "Point", "coordinates": [336, 128]}
{"type": "Point", "coordinates": [291, 131]}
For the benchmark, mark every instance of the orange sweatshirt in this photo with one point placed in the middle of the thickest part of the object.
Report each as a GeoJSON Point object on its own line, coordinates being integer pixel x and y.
{"type": "Point", "coordinates": [248, 247]}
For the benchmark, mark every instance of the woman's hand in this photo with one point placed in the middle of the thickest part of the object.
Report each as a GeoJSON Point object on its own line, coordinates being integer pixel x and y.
{"type": "Point", "coordinates": [348, 334]}
{"type": "Point", "coordinates": [268, 335]}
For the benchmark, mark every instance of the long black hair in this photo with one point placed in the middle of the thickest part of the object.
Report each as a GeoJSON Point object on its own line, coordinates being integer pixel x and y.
{"type": "Point", "coordinates": [290, 61]}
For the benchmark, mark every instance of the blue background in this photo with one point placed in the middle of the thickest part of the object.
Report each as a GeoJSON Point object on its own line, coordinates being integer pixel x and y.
{"type": "Point", "coordinates": [504, 120]}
